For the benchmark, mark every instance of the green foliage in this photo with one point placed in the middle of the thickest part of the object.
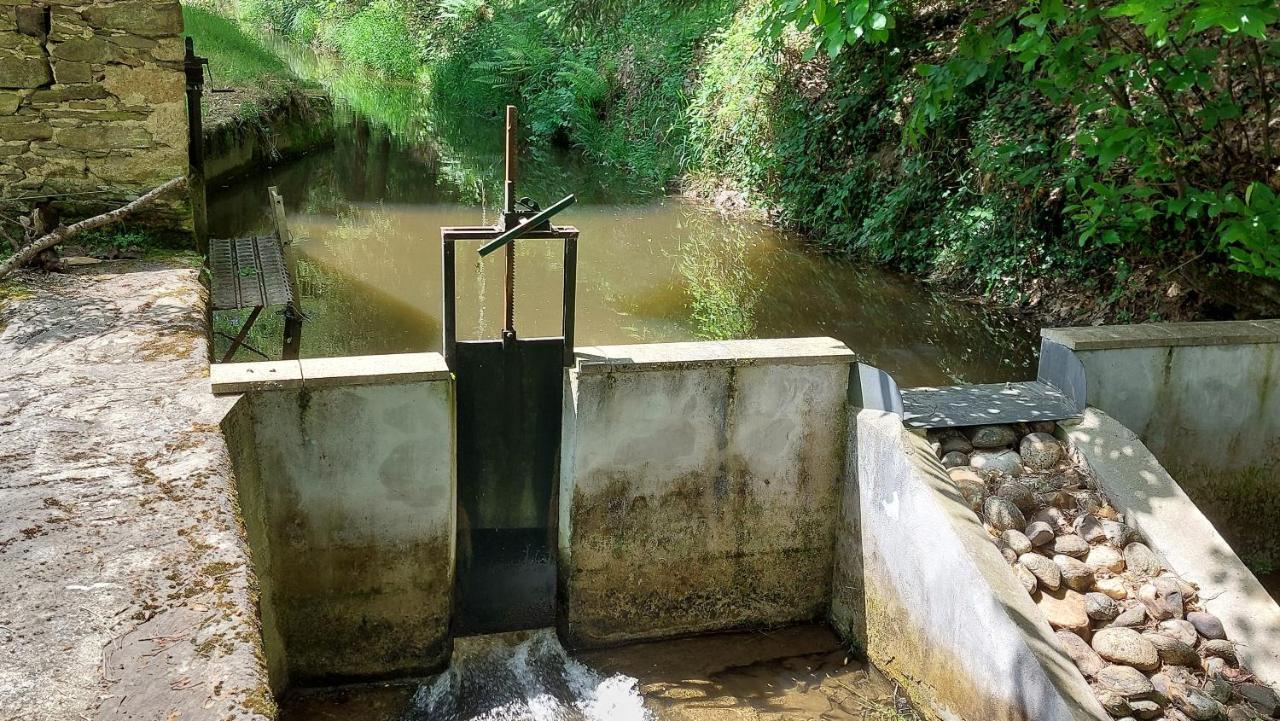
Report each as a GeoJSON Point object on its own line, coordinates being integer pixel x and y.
{"type": "Point", "coordinates": [378, 36]}
{"type": "Point", "coordinates": [234, 56]}
{"type": "Point", "coordinates": [1169, 105]}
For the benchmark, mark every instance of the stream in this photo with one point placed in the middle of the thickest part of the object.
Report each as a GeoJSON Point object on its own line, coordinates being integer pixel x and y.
{"type": "Point", "coordinates": [366, 214]}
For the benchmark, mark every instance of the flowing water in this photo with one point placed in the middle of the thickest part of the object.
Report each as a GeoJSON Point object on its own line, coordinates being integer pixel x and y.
{"type": "Point", "coordinates": [367, 214]}
{"type": "Point", "coordinates": [799, 673]}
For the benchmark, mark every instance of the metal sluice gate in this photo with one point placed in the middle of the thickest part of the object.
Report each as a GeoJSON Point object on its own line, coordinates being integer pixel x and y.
{"type": "Point", "coordinates": [509, 395]}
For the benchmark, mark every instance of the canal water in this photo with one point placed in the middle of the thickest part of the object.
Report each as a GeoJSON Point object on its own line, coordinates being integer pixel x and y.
{"type": "Point", "coordinates": [367, 213]}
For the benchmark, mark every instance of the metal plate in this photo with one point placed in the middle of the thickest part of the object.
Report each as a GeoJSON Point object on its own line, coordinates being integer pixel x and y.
{"type": "Point", "coordinates": [509, 408]}
{"type": "Point", "coordinates": [976, 405]}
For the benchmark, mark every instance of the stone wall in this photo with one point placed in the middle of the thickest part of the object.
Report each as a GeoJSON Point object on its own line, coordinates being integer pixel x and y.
{"type": "Point", "coordinates": [91, 101]}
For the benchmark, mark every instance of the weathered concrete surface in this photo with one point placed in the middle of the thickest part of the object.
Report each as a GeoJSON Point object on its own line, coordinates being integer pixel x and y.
{"type": "Point", "coordinates": [1185, 540]}
{"type": "Point", "coordinates": [1201, 396]}
{"type": "Point", "coordinates": [128, 592]}
{"type": "Point", "coordinates": [921, 588]}
{"type": "Point", "coordinates": [349, 495]}
{"type": "Point", "coordinates": [698, 487]}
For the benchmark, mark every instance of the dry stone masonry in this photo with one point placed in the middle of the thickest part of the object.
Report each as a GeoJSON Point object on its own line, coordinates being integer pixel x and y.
{"type": "Point", "coordinates": [91, 100]}
{"type": "Point", "coordinates": [1135, 630]}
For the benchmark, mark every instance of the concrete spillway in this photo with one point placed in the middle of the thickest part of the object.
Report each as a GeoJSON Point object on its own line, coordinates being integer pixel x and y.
{"type": "Point", "coordinates": [702, 487]}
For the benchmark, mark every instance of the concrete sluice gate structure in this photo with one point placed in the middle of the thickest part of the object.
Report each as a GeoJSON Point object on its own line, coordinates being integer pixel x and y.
{"type": "Point", "coordinates": [715, 486]}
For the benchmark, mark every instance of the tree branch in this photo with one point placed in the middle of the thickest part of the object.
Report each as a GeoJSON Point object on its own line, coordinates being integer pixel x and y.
{"type": "Point", "coordinates": [63, 233]}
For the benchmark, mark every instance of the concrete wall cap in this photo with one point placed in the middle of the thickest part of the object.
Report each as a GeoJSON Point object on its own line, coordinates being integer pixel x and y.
{"type": "Point", "coordinates": [226, 378]}
{"type": "Point", "coordinates": [711, 354]}
{"type": "Point", "coordinates": [1157, 335]}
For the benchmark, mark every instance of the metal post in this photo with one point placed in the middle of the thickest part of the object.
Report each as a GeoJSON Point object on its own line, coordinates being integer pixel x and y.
{"type": "Point", "coordinates": [291, 347]}
{"type": "Point", "coordinates": [509, 206]}
{"type": "Point", "coordinates": [450, 303]}
{"type": "Point", "coordinates": [193, 66]}
{"type": "Point", "coordinates": [569, 299]}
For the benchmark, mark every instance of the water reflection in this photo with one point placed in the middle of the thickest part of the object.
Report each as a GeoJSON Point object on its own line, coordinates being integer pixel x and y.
{"type": "Point", "coordinates": [368, 212]}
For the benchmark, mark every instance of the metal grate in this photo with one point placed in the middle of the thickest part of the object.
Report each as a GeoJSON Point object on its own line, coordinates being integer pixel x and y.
{"type": "Point", "coordinates": [248, 273]}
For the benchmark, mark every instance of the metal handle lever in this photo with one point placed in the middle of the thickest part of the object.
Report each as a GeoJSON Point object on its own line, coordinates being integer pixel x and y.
{"type": "Point", "coordinates": [528, 226]}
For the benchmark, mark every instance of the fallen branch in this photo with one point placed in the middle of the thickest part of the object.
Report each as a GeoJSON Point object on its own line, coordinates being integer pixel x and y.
{"type": "Point", "coordinates": [62, 233]}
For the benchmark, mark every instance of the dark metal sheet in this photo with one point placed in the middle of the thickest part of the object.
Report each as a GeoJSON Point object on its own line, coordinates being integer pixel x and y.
{"type": "Point", "coordinates": [509, 408]}
{"type": "Point", "coordinates": [248, 272]}
{"type": "Point", "coordinates": [975, 405]}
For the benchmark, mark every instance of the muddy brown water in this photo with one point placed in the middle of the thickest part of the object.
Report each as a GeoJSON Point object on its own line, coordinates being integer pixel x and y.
{"type": "Point", "coordinates": [368, 211]}
{"type": "Point", "coordinates": [797, 673]}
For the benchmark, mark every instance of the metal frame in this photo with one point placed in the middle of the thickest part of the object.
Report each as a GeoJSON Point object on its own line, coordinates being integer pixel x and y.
{"type": "Point", "coordinates": [449, 236]}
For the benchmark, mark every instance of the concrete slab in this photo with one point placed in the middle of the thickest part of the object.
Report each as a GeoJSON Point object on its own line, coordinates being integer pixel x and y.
{"type": "Point", "coordinates": [1186, 541]}
{"type": "Point", "coordinates": [373, 369]}
{"type": "Point", "coordinates": [228, 378]}
{"type": "Point", "coordinates": [128, 591]}
{"type": "Point", "coordinates": [1147, 335]}
{"type": "Point", "coordinates": [976, 405]}
{"type": "Point", "coordinates": [707, 354]}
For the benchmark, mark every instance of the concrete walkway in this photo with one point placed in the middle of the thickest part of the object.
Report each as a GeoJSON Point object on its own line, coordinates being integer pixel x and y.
{"type": "Point", "coordinates": [124, 577]}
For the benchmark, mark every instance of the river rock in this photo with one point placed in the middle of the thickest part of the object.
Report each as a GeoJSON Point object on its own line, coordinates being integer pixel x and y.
{"type": "Point", "coordinates": [1178, 629]}
{"type": "Point", "coordinates": [1101, 607]}
{"type": "Point", "coordinates": [1016, 540]}
{"type": "Point", "coordinates": [1090, 503]}
{"type": "Point", "coordinates": [1162, 597]}
{"type": "Point", "coordinates": [956, 443]}
{"type": "Point", "coordinates": [1207, 625]}
{"type": "Point", "coordinates": [1070, 545]}
{"type": "Point", "coordinates": [1220, 648]}
{"type": "Point", "coordinates": [1214, 666]}
{"type": "Point", "coordinates": [1124, 681]}
{"type": "Point", "coordinates": [1118, 534]}
{"type": "Point", "coordinates": [1219, 689]}
{"type": "Point", "coordinates": [1140, 559]}
{"type": "Point", "coordinates": [1019, 495]}
{"type": "Point", "coordinates": [1131, 617]}
{"type": "Point", "coordinates": [1114, 704]}
{"type": "Point", "coordinates": [1195, 703]}
{"type": "Point", "coordinates": [1064, 609]}
{"type": "Point", "coordinates": [1009, 555]}
{"type": "Point", "coordinates": [1025, 577]}
{"type": "Point", "coordinates": [1058, 499]}
{"type": "Point", "coordinates": [990, 464]}
{"type": "Point", "coordinates": [1051, 516]}
{"type": "Point", "coordinates": [1040, 451]}
{"type": "Point", "coordinates": [1045, 571]}
{"type": "Point", "coordinates": [970, 486]}
{"type": "Point", "coordinates": [1002, 514]}
{"type": "Point", "coordinates": [1113, 587]}
{"type": "Point", "coordinates": [1076, 574]}
{"type": "Point", "coordinates": [1241, 712]}
{"type": "Point", "coordinates": [1103, 557]}
{"type": "Point", "coordinates": [1263, 698]}
{"type": "Point", "coordinates": [1126, 646]}
{"type": "Point", "coordinates": [992, 436]}
{"type": "Point", "coordinates": [1172, 651]}
{"type": "Point", "coordinates": [954, 459]}
{"type": "Point", "coordinates": [1144, 709]}
{"type": "Point", "coordinates": [1088, 527]}
{"type": "Point", "coordinates": [1039, 533]}
{"type": "Point", "coordinates": [1085, 658]}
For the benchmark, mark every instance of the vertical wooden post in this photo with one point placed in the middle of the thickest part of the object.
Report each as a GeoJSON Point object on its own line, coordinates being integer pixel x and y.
{"type": "Point", "coordinates": [292, 343]}
{"type": "Point", "coordinates": [193, 66]}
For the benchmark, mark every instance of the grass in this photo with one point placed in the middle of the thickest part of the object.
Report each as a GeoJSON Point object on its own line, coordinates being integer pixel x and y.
{"type": "Point", "coordinates": [235, 58]}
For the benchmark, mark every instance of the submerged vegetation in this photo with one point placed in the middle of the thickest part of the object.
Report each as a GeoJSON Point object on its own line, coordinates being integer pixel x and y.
{"type": "Point", "coordinates": [1125, 152]}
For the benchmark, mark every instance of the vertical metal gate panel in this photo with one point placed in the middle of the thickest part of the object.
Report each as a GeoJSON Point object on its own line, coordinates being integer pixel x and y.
{"type": "Point", "coordinates": [509, 408]}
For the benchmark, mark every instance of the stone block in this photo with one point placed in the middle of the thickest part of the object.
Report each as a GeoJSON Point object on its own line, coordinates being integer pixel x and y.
{"type": "Point", "coordinates": [109, 136]}
{"type": "Point", "coordinates": [9, 103]}
{"type": "Point", "coordinates": [144, 85]}
{"type": "Point", "coordinates": [140, 17]}
{"type": "Point", "coordinates": [27, 129]}
{"type": "Point", "coordinates": [84, 50]}
{"type": "Point", "coordinates": [69, 73]}
{"type": "Point", "coordinates": [67, 25]}
{"type": "Point", "coordinates": [55, 96]}
{"type": "Point", "coordinates": [24, 71]}
{"type": "Point", "coordinates": [32, 20]}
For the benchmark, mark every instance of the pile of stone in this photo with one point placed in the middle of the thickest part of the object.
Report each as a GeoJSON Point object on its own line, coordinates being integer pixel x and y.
{"type": "Point", "coordinates": [1136, 630]}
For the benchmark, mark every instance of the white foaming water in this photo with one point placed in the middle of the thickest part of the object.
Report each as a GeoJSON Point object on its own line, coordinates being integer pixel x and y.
{"type": "Point", "coordinates": [524, 678]}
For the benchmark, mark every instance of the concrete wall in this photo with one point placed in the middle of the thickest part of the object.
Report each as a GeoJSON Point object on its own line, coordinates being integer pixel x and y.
{"type": "Point", "coordinates": [920, 587]}
{"type": "Point", "coordinates": [698, 487]}
{"type": "Point", "coordinates": [1185, 540]}
{"type": "Point", "coordinates": [91, 99]}
{"type": "Point", "coordinates": [1201, 396]}
{"type": "Point", "coordinates": [346, 468]}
